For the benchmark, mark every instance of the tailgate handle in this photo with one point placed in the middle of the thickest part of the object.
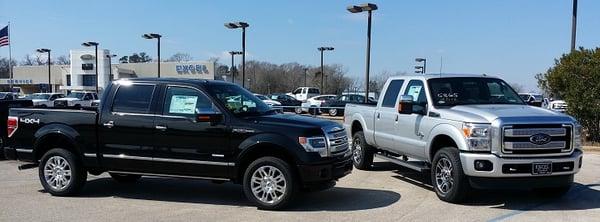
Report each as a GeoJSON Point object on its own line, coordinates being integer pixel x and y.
{"type": "Point", "coordinates": [109, 124]}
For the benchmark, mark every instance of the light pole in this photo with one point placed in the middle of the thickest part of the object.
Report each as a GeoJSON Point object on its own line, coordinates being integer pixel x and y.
{"type": "Point", "coordinates": [42, 50]}
{"type": "Point", "coordinates": [322, 49]}
{"type": "Point", "coordinates": [419, 69]}
{"type": "Point", "coordinates": [574, 26]}
{"type": "Point", "coordinates": [243, 26]}
{"type": "Point", "coordinates": [369, 8]}
{"type": "Point", "coordinates": [95, 44]}
{"type": "Point", "coordinates": [305, 74]}
{"type": "Point", "coordinates": [157, 37]}
{"type": "Point", "coordinates": [232, 69]}
{"type": "Point", "coordinates": [110, 75]}
{"type": "Point", "coordinates": [424, 61]}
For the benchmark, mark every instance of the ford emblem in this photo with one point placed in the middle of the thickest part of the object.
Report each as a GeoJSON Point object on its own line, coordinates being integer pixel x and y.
{"type": "Point", "coordinates": [540, 138]}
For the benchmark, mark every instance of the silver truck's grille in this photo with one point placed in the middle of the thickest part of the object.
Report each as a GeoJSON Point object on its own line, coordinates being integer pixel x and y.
{"type": "Point", "coordinates": [338, 142]}
{"type": "Point", "coordinates": [536, 139]}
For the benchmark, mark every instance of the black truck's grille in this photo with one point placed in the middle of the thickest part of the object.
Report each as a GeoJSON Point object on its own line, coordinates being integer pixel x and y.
{"type": "Point", "coordinates": [521, 139]}
{"type": "Point", "coordinates": [338, 142]}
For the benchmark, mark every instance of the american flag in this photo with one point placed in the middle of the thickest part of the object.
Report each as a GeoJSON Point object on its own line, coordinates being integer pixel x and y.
{"type": "Point", "coordinates": [4, 41]}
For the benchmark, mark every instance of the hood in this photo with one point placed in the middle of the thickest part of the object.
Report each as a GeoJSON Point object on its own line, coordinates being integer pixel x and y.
{"type": "Point", "coordinates": [489, 113]}
{"type": "Point", "coordinates": [292, 120]}
{"type": "Point", "coordinates": [67, 99]}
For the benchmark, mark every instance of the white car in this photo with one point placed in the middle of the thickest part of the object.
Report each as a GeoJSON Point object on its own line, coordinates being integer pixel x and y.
{"type": "Point", "coordinates": [316, 101]}
{"type": "Point", "coordinates": [268, 101]}
{"type": "Point", "coordinates": [555, 105]}
{"type": "Point", "coordinates": [76, 100]}
{"type": "Point", "coordinates": [303, 93]}
{"type": "Point", "coordinates": [45, 99]}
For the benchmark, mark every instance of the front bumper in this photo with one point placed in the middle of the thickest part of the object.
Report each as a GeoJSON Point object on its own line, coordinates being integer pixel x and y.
{"type": "Point", "coordinates": [333, 170]}
{"type": "Point", "coordinates": [500, 166]}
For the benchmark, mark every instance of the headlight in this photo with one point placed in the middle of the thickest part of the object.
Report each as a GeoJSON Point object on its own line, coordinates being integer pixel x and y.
{"type": "Point", "coordinates": [577, 131]}
{"type": "Point", "coordinates": [478, 136]}
{"type": "Point", "coordinates": [314, 144]}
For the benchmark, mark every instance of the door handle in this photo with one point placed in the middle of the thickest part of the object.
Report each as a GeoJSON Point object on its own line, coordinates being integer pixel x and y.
{"type": "Point", "coordinates": [420, 134]}
{"type": "Point", "coordinates": [396, 118]}
{"type": "Point", "coordinates": [109, 124]}
{"type": "Point", "coordinates": [159, 127]}
{"type": "Point", "coordinates": [378, 115]}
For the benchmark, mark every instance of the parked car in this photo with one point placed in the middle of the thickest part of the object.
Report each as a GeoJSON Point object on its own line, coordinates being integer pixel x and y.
{"type": "Point", "coordinates": [44, 100]}
{"type": "Point", "coordinates": [8, 96]}
{"type": "Point", "coordinates": [555, 105]}
{"type": "Point", "coordinates": [293, 105]}
{"type": "Point", "coordinates": [316, 102]}
{"type": "Point", "coordinates": [533, 99]}
{"type": "Point", "coordinates": [190, 128]}
{"type": "Point", "coordinates": [341, 102]}
{"type": "Point", "coordinates": [303, 93]}
{"type": "Point", "coordinates": [467, 131]}
{"type": "Point", "coordinates": [267, 100]}
{"type": "Point", "coordinates": [77, 100]}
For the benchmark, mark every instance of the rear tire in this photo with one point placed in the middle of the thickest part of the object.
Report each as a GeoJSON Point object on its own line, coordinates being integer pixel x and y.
{"type": "Point", "coordinates": [125, 178]}
{"type": "Point", "coordinates": [362, 153]}
{"type": "Point", "coordinates": [270, 183]}
{"type": "Point", "coordinates": [298, 110]}
{"type": "Point", "coordinates": [333, 112]}
{"type": "Point", "coordinates": [61, 173]}
{"type": "Point", "coordinates": [447, 176]}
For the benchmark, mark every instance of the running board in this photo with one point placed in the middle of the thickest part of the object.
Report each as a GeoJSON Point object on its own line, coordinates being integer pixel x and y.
{"type": "Point", "coordinates": [414, 165]}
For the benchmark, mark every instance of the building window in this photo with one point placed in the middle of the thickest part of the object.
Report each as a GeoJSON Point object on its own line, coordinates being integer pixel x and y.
{"type": "Point", "coordinates": [88, 80]}
{"type": "Point", "coordinates": [68, 80]}
{"type": "Point", "coordinates": [87, 66]}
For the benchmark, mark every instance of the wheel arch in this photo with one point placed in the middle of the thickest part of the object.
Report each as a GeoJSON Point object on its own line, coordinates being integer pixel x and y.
{"type": "Point", "coordinates": [444, 135]}
{"type": "Point", "coordinates": [55, 136]}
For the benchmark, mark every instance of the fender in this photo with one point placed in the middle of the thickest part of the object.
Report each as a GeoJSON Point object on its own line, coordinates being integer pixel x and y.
{"type": "Point", "coordinates": [278, 141]}
{"type": "Point", "coordinates": [367, 129]}
{"type": "Point", "coordinates": [53, 129]}
{"type": "Point", "coordinates": [446, 130]}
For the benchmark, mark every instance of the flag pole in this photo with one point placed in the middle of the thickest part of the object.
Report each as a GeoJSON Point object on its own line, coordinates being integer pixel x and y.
{"type": "Point", "coordinates": [10, 65]}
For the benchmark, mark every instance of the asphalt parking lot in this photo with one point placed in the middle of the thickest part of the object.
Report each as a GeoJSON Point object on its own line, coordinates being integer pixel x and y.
{"type": "Point", "coordinates": [389, 193]}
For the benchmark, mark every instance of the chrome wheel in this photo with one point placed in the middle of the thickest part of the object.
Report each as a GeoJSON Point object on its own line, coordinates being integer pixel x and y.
{"type": "Point", "coordinates": [333, 112]}
{"type": "Point", "coordinates": [268, 184]}
{"type": "Point", "coordinates": [443, 175]}
{"type": "Point", "coordinates": [356, 151]}
{"type": "Point", "coordinates": [57, 173]}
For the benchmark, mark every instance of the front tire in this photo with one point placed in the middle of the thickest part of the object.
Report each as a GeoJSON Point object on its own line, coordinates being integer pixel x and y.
{"type": "Point", "coordinates": [61, 173]}
{"type": "Point", "coordinates": [447, 176]}
{"type": "Point", "coordinates": [333, 112]}
{"type": "Point", "coordinates": [362, 153]}
{"type": "Point", "coordinates": [270, 183]}
{"type": "Point", "coordinates": [125, 178]}
{"type": "Point", "coordinates": [298, 110]}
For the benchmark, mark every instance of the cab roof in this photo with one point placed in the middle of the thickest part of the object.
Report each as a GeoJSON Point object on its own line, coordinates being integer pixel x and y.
{"type": "Point", "coordinates": [442, 76]}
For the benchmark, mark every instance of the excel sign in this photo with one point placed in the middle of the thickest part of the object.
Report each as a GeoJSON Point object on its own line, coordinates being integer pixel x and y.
{"type": "Point", "coordinates": [191, 69]}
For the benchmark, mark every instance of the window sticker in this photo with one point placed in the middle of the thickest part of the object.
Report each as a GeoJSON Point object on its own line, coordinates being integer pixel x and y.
{"type": "Point", "coordinates": [181, 104]}
{"type": "Point", "coordinates": [444, 98]}
{"type": "Point", "coordinates": [414, 91]}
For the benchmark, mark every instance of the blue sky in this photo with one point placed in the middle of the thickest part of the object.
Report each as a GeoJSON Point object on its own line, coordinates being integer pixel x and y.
{"type": "Point", "coordinates": [514, 39]}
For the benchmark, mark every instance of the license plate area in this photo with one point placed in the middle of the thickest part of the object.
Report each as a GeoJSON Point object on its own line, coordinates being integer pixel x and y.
{"type": "Point", "coordinates": [541, 168]}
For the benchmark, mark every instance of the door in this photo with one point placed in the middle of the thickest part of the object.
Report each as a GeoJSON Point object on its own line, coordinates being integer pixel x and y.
{"type": "Point", "coordinates": [186, 144]}
{"type": "Point", "coordinates": [410, 130]}
{"type": "Point", "coordinates": [386, 116]}
{"type": "Point", "coordinates": [126, 131]}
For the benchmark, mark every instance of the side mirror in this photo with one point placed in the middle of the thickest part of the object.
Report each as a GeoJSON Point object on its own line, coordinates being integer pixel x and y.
{"type": "Point", "coordinates": [405, 106]}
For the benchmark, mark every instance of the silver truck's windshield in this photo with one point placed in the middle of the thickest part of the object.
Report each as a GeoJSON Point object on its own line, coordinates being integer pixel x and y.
{"type": "Point", "coordinates": [471, 90]}
{"type": "Point", "coordinates": [239, 101]}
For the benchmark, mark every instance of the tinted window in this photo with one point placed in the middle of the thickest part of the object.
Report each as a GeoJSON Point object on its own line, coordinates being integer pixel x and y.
{"type": "Point", "coordinates": [391, 94]}
{"type": "Point", "coordinates": [88, 80]}
{"type": "Point", "coordinates": [133, 98]}
{"type": "Point", "coordinates": [417, 91]}
{"type": "Point", "coordinates": [467, 91]}
{"type": "Point", "coordinates": [186, 101]}
{"type": "Point", "coordinates": [313, 91]}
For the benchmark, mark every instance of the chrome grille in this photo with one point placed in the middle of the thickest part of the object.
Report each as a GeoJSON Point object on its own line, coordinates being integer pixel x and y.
{"type": "Point", "coordinates": [518, 139]}
{"type": "Point", "coordinates": [338, 142]}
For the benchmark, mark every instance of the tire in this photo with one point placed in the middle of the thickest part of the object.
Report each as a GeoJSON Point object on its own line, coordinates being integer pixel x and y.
{"type": "Point", "coordinates": [447, 176]}
{"type": "Point", "coordinates": [553, 192]}
{"type": "Point", "coordinates": [43, 106]}
{"type": "Point", "coordinates": [62, 173]}
{"type": "Point", "coordinates": [298, 110]}
{"type": "Point", "coordinates": [125, 178]}
{"type": "Point", "coordinates": [333, 112]}
{"type": "Point", "coordinates": [270, 183]}
{"type": "Point", "coordinates": [362, 153]}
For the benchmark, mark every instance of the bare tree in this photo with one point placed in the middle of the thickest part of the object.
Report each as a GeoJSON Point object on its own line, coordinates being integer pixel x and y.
{"type": "Point", "coordinates": [62, 60]}
{"type": "Point", "coordinates": [36, 60]}
{"type": "Point", "coordinates": [180, 57]}
{"type": "Point", "coordinates": [5, 67]}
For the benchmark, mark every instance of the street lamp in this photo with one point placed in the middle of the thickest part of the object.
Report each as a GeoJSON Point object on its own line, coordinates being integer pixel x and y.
{"type": "Point", "coordinates": [157, 37]}
{"type": "Point", "coordinates": [574, 26]}
{"type": "Point", "coordinates": [233, 53]}
{"type": "Point", "coordinates": [369, 8]}
{"type": "Point", "coordinates": [322, 49]}
{"type": "Point", "coordinates": [110, 56]}
{"type": "Point", "coordinates": [243, 26]}
{"type": "Point", "coordinates": [95, 44]}
{"type": "Point", "coordinates": [43, 50]}
{"type": "Point", "coordinates": [424, 61]}
{"type": "Point", "coordinates": [419, 69]}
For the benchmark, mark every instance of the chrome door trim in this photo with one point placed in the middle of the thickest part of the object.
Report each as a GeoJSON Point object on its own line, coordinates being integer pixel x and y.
{"type": "Point", "coordinates": [168, 175]}
{"type": "Point", "coordinates": [123, 156]}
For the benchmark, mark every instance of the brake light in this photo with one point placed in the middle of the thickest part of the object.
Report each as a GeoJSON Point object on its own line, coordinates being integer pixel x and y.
{"type": "Point", "coordinates": [11, 125]}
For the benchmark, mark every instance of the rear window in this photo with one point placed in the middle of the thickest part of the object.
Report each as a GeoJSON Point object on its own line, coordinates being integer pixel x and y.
{"type": "Point", "coordinates": [133, 98]}
{"type": "Point", "coordinates": [313, 90]}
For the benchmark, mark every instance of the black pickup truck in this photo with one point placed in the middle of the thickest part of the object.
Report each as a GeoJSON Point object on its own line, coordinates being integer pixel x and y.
{"type": "Point", "coordinates": [181, 128]}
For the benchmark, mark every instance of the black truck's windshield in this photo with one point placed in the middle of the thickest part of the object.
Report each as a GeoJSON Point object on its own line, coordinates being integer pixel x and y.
{"type": "Point", "coordinates": [471, 90]}
{"type": "Point", "coordinates": [239, 101]}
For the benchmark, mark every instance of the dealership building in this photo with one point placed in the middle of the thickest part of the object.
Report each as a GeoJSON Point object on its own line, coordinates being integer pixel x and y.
{"type": "Point", "coordinates": [81, 74]}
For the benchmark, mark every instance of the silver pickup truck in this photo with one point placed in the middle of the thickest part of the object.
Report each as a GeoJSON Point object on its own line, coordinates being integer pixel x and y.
{"type": "Point", "coordinates": [467, 131]}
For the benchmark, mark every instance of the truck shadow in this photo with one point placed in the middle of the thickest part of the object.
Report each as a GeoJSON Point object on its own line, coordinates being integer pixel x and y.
{"type": "Point", "coordinates": [580, 197]}
{"type": "Point", "coordinates": [206, 192]}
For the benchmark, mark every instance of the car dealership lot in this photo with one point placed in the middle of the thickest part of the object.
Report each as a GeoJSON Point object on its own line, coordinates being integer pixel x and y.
{"type": "Point", "coordinates": [389, 193]}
